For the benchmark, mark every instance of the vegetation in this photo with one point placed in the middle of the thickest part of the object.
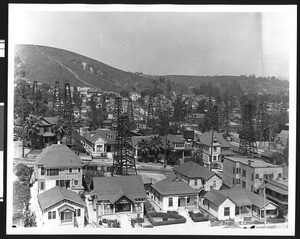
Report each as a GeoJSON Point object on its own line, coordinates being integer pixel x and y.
{"type": "Point", "coordinates": [23, 172]}
{"type": "Point", "coordinates": [198, 217]}
{"type": "Point", "coordinates": [161, 218]}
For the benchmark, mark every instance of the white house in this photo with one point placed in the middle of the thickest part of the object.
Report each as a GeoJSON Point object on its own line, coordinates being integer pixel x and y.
{"type": "Point", "coordinates": [172, 193]}
{"type": "Point", "coordinates": [58, 165]}
{"type": "Point", "coordinates": [61, 207]}
{"type": "Point", "coordinates": [99, 142]}
{"type": "Point", "coordinates": [198, 177]}
{"type": "Point", "coordinates": [236, 203]}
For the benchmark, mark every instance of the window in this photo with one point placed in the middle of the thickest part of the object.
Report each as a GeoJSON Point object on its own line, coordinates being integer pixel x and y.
{"type": "Point", "coordinates": [215, 158]}
{"type": "Point", "coordinates": [251, 188]}
{"type": "Point", "coordinates": [257, 176]}
{"type": "Point", "coordinates": [243, 184]}
{"type": "Point", "coordinates": [42, 171]}
{"type": "Point", "coordinates": [170, 202]}
{"type": "Point", "coordinates": [271, 176]}
{"type": "Point", "coordinates": [70, 170]}
{"type": "Point", "coordinates": [244, 173]}
{"type": "Point", "coordinates": [226, 211]}
{"type": "Point", "coordinates": [52, 215]}
{"type": "Point", "coordinates": [279, 175]}
{"type": "Point", "coordinates": [214, 184]}
{"type": "Point", "coordinates": [77, 213]}
{"type": "Point", "coordinates": [233, 181]}
{"type": "Point", "coordinates": [196, 182]}
{"type": "Point", "coordinates": [109, 136]}
{"type": "Point", "coordinates": [233, 170]}
{"type": "Point", "coordinates": [215, 149]}
{"type": "Point", "coordinates": [42, 185]}
{"type": "Point", "coordinates": [252, 176]}
{"type": "Point", "coordinates": [52, 172]}
{"type": "Point", "coordinates": [188, 200]}
{"type": "Point", "coordinates": [79, 170]}
{"type": "Point", "coordinates": [76, 182]}
{"type": "Point", "coordinates": [237, 181]}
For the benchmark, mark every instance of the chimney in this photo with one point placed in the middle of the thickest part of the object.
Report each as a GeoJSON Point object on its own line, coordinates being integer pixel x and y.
{"type": "Point", "coordinates": [249, 162]}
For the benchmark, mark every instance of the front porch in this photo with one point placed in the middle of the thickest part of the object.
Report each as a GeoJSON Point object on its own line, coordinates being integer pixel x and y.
{"type": "Point", "coordinates": [188, 201]}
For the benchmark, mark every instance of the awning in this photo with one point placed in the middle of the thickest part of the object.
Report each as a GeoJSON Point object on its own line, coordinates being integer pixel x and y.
{"type": "Point", "coordinates": [277, 189]}
{"type": "Point", "coordinates": [65, 208]}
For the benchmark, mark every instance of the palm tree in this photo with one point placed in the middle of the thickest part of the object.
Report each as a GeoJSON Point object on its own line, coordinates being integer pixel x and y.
{"type": "Point", "coordinates": [31, 129]}
{"type": "Point", "coordinates": [143, 148]}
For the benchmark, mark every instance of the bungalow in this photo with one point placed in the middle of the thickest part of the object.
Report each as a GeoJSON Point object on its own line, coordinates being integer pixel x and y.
{"type": "Point", "coordinates": [243, 203]}
{"type": "Point", "coordinates": [198, 177]}
{"type": "Point", "coordinates": [172, 193]}
{"type": "Point", "coordinates": [58, 165]}
{"type": "Point", "coordinates": [61, 207]}
{"type": "Point", "coordinates": [99, 142]}
{"type": "Point", "coordinates": [118, 195]}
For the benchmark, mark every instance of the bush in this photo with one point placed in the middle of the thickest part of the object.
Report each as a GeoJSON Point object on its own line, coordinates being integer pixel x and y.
{"type": "Point", "coordinates": [173, 212]}
{"type": "Point", "coordinates": [198, 217]}
{"type": "Point", "coordinates": [275, 220]}
{"type": "Point", "coordinates": [177, 218]}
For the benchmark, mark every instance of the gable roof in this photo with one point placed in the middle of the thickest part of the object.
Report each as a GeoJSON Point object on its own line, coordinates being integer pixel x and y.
{"type": "Point", "coordinates": [113, 188]}
{"type": "Point", "coordinates": [57, 194]}
{"type": "Point", "coordinates": [205, 139]}
{"type": "Point", "coordinates": [94, 135]}
{"type": "Point", "coordinates": [58, 155]}
{"type": "Point", "coordinates": [215, 197]}
{"type": "Point", "coordinates": [175, 138]}
{"type": "Point", "coordinates": [172, 185]}
{"type": "Point", "coordinates": [193, 170]}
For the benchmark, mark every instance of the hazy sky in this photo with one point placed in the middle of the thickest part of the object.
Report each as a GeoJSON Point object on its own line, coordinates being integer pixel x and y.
{"type": "Point", "coordinates": [192, 43]}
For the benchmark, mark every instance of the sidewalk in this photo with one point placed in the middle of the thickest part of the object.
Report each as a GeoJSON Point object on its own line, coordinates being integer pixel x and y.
{"type": "Point", "coordinates": [34, 205]}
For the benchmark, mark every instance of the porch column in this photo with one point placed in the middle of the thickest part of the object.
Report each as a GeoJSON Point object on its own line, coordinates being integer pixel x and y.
{"type": "Point", "coordinates": [186, 197]}
{"type": "Point", "coordinates": [131, 207]}
{"type": "Point", "coordinates": [114, 208]}
{"type": "Point", "coordinates": [97, 205]}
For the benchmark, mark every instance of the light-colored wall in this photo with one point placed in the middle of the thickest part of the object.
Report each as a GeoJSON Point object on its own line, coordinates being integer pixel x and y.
{"type": "Point", "coordinates": [56, 222]}
{"type": "Point", "coordinates": [218, 211]}
{"type": "Point", "coordinates": [209, 183]}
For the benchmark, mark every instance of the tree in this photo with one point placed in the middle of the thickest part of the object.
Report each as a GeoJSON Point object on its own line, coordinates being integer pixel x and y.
{"type": "Point", "coordinates": [124, 93]}
{"type": "Point", "coordinates": [21, 196]}
{"type": "Point", "coordinates": [30, 219]}
{"type": "Point", "coordinates": [32, 129]}
{"type": "Point", "coordinates": [195, 158]}
{"type": "Point", "coordinates": [23, 172]}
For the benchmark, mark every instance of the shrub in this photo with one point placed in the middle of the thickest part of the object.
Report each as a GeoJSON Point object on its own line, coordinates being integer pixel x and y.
{"type": "Point", "coordinates": [198, 217]}
{"type": "Point", "coordinates": [275, 220]}
{"type": "Point", "coordinates": [173, 212]}
{"type": "Point", "coordinates": [104, 220]}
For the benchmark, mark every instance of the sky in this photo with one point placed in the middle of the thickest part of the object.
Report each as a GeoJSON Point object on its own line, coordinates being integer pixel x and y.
{"type": "Point", "coordinates": [163, 43]}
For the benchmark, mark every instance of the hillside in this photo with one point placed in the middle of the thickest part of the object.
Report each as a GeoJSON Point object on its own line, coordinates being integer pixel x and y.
{"type": "Point", "coordinates": [48, 64]}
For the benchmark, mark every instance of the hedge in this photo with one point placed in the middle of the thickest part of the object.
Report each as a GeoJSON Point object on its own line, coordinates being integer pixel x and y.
{"type": "Point", "coordinates": [198, 217]}
{"type": "Point", "coordinates": [178, 218]}
{"type": "Point", "coordinates": [275, 220]}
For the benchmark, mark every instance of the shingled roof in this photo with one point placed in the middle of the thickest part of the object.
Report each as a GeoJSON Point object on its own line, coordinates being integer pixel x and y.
{"type": "Point", "coordinates": [57, 194]}
{"type": "Point", "coordinates": [103, 133]}
{"type": "Point", "coordinates": [193, 170]}
{"type": "Point", "coordinates": [113, 188]}
{"type": "Point", "coordinates": [215, 197]}
{"type": "Point", "coordinates": [58, 155]}
{"type": "Point", "coordinates": [172, 185]}
{"type": "Point", "coordinates": [205, 139]}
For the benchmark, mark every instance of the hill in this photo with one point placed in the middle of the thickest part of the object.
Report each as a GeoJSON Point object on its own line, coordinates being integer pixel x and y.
{"type": "Point", "coordinates": [49, 64]}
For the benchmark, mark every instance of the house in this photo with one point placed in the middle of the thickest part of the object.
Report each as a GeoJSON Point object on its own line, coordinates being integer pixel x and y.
{"type": "Point", "coordinates": [58, 165]}
{"type": "Point", "coordinates": [172, 193]}
{"type": "Point", "coordinates": [196, 118]}
{"type": "Point", "coordinates": [118, 195]}
{"type": "Point", "coordinates": [235, 203]}
{"type": "Point", "coordinates": [277, 190]}
{"type": "Point", "coordinates": [46, 131]}
{"type": "Point", "coordinates": [198, 177]}
{"type": "Point", "coordinates": [61, 207]}
{"type": "Point", "coordinates": [134, 96]}
{"type": "Point", "coordinates": [282, 139]}
{"type": "Point", "coordinates": [180, 145]}
{"type": "Point", "coordinates": [213, 143]}
{"type": "Point", "coordinates": [248, 172]}
{"type": "Point", "coordinates": [99, 142]}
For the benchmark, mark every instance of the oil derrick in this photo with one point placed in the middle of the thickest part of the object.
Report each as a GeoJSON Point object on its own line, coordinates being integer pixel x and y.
{"type": "Point", "coordinates": [56, 107]}
{"type": "Point", "coordinates": [123, 161]}
{"type": "Point", "coordinates": [248, 135]}
{"type": "Point", "coordinates": [104, 109]}
{"type": "Point", "coordinates": [262, 129]}
{"type": "Point", "coordinates": [130, 114]}
{"type": "Point", "coordinates": [150, 124]}
{"type": "Point", "coordinates": [34, 97]}
{"type": "Point", "coordinates": [117, 113]}
{"type": "Point", "coordinates": [68, 114]}
{"type": "Point", "coordinates": [215, 118]}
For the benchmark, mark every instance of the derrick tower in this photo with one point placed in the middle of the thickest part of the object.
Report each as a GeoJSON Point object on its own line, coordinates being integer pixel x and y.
{"type": "Point", "coordinates": [130, 114]}
{"type": "Point", "coordinates": [117, 113]}
{"type": "Point", "coordinates": [68, 115]}
{"type": "Point", "coordinates": [56, 107]}
{"type": "Point", "coordinates": [34, 96]}
{"type": "Point", "coordinates": [248, 135]}
{"type": "Point", "coordinates": [123, 160]}
{"type": "Point", "coordinates": [262, 128]}
{"type": "Point", "coordinates": [150, 118]}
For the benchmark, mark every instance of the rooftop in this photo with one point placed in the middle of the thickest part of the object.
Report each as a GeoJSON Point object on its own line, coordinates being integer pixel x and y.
{"type": "Point", "coordinates": [255, 162]}
{"type": "Point", "coordinates": [172, 185]}
{"type": "Point", "coordinates": [194, 170]}
{"type": "Point", "coordinates": [205, 139]}
{"type": "Point", "coordinates": [58, 155]}
{"type": "Point", "coordinates": [112, 188]}
{"type": "Point", "coordinates": [108, 135]}
{"type": "Point", "coordinates": [57, 194]}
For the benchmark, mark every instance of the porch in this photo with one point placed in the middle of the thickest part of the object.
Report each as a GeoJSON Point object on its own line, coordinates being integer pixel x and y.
{"type": "Point", "coordinates": [188, 201]}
